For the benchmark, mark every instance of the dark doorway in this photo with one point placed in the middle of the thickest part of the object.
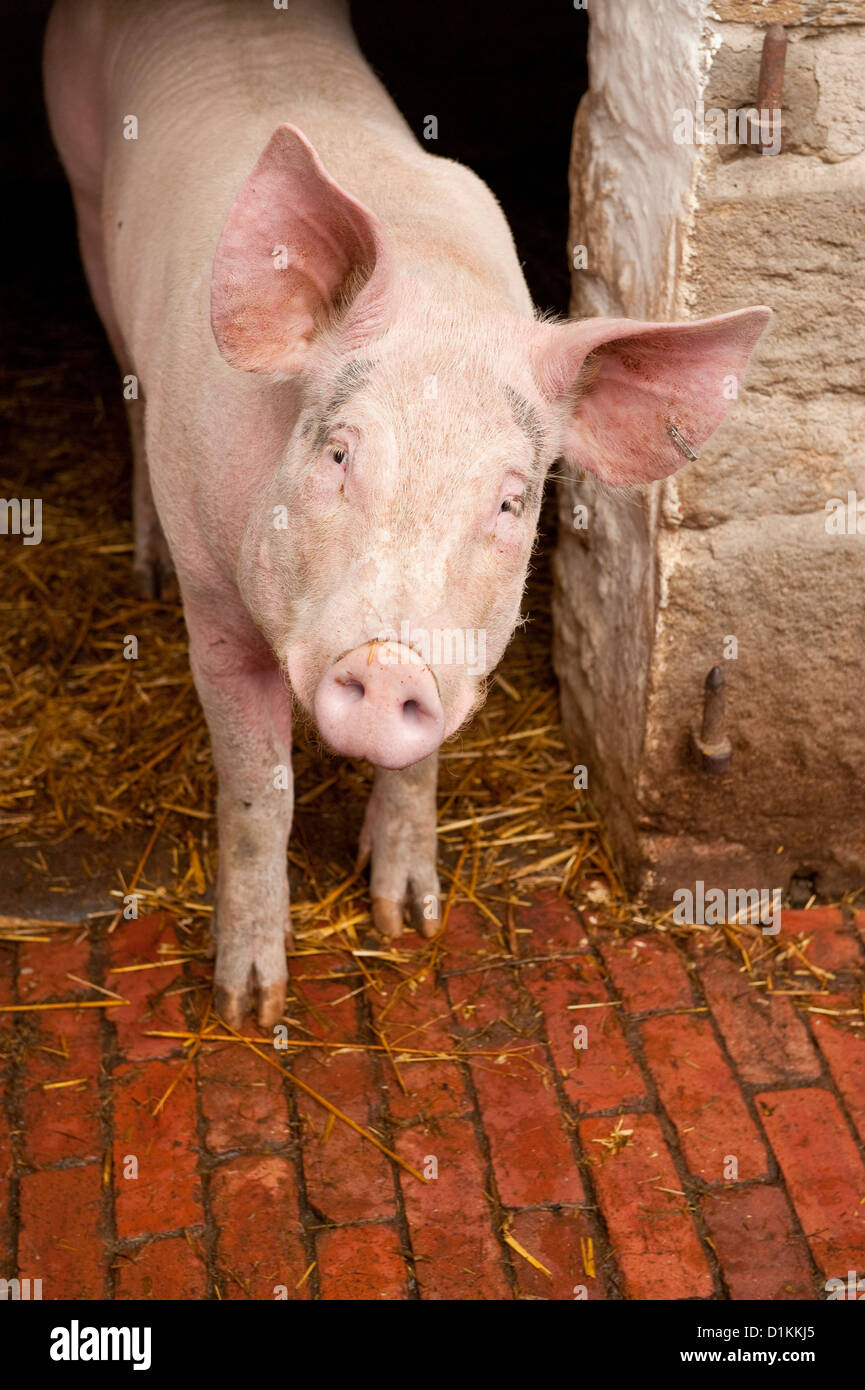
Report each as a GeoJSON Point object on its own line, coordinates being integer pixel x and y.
{"type": "Point", "coordinates": [504, 83]}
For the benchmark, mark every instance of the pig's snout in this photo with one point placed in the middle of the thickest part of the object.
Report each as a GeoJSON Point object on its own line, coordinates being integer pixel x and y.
{"type": "Point", "coordinates": [380, 702]}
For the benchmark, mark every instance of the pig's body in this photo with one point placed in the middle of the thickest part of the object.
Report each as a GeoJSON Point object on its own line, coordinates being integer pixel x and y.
{"type": "Point", "coordinates": [208, 83]}
{"type": "Point", "coordinates": [301, 386]}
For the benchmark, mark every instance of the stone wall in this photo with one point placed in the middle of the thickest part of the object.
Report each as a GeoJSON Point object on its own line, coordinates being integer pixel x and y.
{"type": "Point", "coordinates": [736, 545]}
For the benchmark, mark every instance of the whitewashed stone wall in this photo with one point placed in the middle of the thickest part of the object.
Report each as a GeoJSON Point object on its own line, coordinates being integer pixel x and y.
{"type": "Point", "coordinates": [736, 545]}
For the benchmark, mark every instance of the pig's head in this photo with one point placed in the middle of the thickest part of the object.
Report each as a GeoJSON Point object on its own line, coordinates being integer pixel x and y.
{"type": "Point", "coordinates": [386, 557]}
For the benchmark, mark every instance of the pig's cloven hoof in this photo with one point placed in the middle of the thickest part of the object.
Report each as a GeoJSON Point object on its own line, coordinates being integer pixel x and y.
{"type": "Point", "coordinates": [233, 1004]}
{"type": "Point", "coordinates": [388, 917]}
{"type": "Point", "coordinates": [404, 884]}
{"type": "Point", "coordinates": [241, 963]}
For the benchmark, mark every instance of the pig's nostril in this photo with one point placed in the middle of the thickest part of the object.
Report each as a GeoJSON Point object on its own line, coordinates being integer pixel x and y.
{"type": "Point", "coordinates": [353, 688]}
{"type": "Point", "coordinates": [412, 710]}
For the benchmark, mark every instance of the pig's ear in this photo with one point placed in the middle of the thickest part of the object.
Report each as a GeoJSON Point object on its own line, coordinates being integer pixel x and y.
{"type": "Point", "coordinates": [639, 400]}
{"type": "Point", "coordinates": [296, 253]}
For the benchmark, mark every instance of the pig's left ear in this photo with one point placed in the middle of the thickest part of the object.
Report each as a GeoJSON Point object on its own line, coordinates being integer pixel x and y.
{"type": "Point", "coordinates": [639, 400]}
{"type": "Point", "coordinates": [297, 253]}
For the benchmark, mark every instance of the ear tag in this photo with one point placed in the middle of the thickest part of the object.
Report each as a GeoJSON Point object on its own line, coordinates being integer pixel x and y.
{"type": "Point", "coordinates": [681, 443]}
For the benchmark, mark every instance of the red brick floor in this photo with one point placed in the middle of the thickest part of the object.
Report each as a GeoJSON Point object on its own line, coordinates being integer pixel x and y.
{"type": "Point", "coordinates": [705, 1141]}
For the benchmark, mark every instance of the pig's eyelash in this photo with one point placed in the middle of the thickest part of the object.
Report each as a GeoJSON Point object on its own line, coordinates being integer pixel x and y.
{"type": "Point", "coordinates": [339, 453]}
{"type": "Point", "coordinates": [514, 505]}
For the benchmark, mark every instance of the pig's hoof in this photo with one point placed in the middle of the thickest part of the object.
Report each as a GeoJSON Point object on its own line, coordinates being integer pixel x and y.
{"type": "Point", "coordinates": [387, 917]}
{"type": "Point", "coordinates": [424, 915]}
{"type": "Point", "coordinates": [233, 1003]}
{"type": "Point", "coordinates": [401, 848]}
{"type": "Point", "coordinates": [271, 1004]}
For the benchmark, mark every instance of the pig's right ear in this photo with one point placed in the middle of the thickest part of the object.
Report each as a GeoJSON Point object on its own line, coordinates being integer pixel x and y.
{"type": "Point", "coordinates": [296, 253]}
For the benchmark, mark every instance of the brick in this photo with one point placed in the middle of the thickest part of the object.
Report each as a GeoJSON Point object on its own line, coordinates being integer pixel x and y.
{"type": "Point", "coordinates": [456, 1230]}
{"type": "Point", "coordinates": [702, 1098]}
{"type": "Point", "coordinates": [162, 1269]}
{"type": "Point", "coordinates": [61, 1047]}
{"type": "Point", "coordinates": [44, 969]}
{"type": "Point", "coordinates": [844, 1051]}
{"type": "Point", "coordinates": [761, 1253]}
{"type": "Point", "coordinates": [457, 1253]}
{"type": "Point", "coordinates": [259, 1246]}
{"type": "Point", "coordinates": [531, 1152]}
{"type": "Point", "coordinates": [419, 1016]}
{"type": "Point", "coordinates": [646, 1225]}
{"type": "Point", "coordinates": [7, 1250]}
{"type": "Point", "coordinates": [347, 1178]}
{"type": "Point", "coordinates": [361, 1262]}
{"type": "Point", "coordinates": [604, 1074]}
{"type": "Point", "coordinates": [415, 1016]}
{"type": "Point", "coordinates": [824, 1174]}
{"type": "Point", "coordinates": [486, 1006]}
{"type": "Point", "coordinates": [153, 994]}
{"type": "Point", "coordinates": [554, 1238]}
{"type": "Point", "coordinates": [62, 1122]}
{"type": "Point", "coordinates": [323, 986]}
{"type": "Point", "coordinates": [647, 973]}
{"type": "Point", "coordinates": [832, 945]}
{"type": "Point", "coordinates": [61, 1238]}
{"type": "Point", "coordinates": [469, 939]}
{"type": "Point", "coordinates": [551, 926]}
{"type": "Point", "coordinates": [7, 1027]}
{"type": "Point", "coordinates": [434, 1091]}
{"type": "Point", "coordinates": [7, 989]}
{"type": "Point", "coordinates": [765, 1037]}
{"type": "Point", "coordinates": [166, 1195]}
{"type": "Point", "coordinates": [242, 1099]}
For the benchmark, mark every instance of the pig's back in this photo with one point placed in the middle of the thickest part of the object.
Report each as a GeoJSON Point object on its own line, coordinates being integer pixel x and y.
{"type": "Point", "coordinates": [208, 83]}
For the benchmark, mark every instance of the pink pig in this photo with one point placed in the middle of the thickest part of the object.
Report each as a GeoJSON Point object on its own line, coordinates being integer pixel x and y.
{"type": "Point", "coordinates": [347, 410]}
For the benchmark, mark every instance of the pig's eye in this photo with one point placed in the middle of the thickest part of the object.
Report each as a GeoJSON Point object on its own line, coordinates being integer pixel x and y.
{"type": "Point", "coordinates": [514, 505]}
{"type": "Point", "coordinates": [338, 453]}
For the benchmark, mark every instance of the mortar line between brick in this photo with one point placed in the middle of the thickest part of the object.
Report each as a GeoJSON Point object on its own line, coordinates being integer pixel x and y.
{"type": "Point", "coordinates": [203, 1168]}
{"type": "Point", "coordinates": [831, 1086]}
{"type": "Point", "coordinates": [497, 1210]}
{"type": "Point", "coordinates": [668, 1130]}
{"type": "Point", "coordinates": [613, 1277]}
{"type": "Point", "coordinates": [108, 1040]}
{"type": "Point", "coordinates": [304, 1207]}
{"type": "Point", "coordinates": [363, 1011]}
{"type": "Point", "coordinates": [13, 1099]}
{"type": "Point", "coordinates": [748, 1091]}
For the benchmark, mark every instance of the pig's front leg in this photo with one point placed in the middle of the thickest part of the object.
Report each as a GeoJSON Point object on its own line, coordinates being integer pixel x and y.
{"type": "Point", "coordinates": [248, 713]}
{"type": "Point", "coordinates": [399, 837]}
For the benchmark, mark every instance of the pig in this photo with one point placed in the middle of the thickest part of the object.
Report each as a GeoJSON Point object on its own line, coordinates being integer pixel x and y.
{"type": "Point", "coordinates": [347, 407]}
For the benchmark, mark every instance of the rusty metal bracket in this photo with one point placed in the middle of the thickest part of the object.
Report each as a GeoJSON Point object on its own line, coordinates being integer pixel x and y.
{"type": "Point", "coordinates": [712, 745]}
{"type": "Point", "coordinates": [770, 91]}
